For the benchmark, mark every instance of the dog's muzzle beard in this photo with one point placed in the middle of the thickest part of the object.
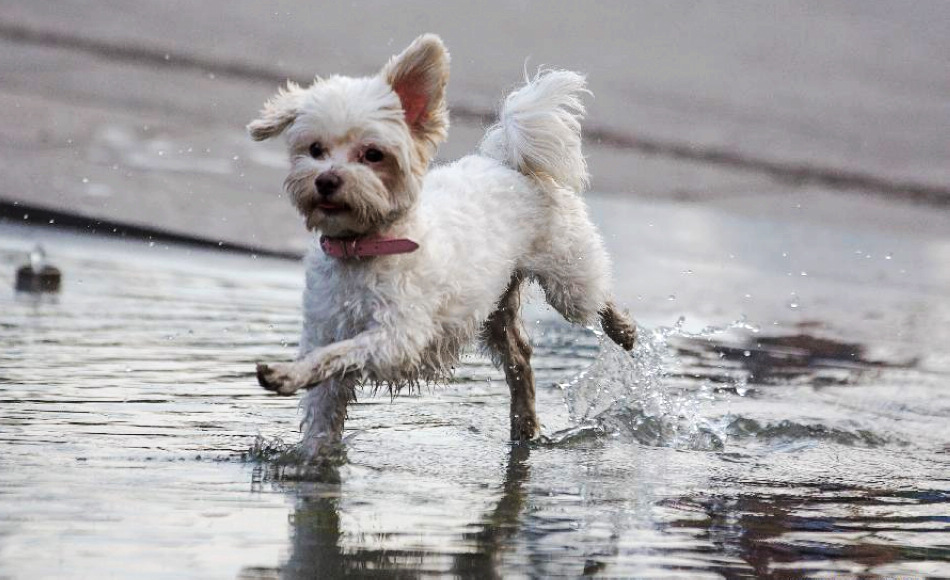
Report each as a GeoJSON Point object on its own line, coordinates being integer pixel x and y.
{"type": "Point", "coordinates": [337, 216]}
{"type": "Point", "coordinates": [349, 214]}
{"type": "Point", "coordinates": [349, 221]}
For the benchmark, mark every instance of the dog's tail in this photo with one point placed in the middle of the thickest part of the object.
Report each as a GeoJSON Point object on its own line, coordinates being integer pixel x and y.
{"type": "Point", "coordinates": [539, 130]}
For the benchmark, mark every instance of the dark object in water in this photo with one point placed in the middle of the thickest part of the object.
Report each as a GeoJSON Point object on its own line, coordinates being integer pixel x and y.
{"type": "Point", "coordinates": [38, 276]}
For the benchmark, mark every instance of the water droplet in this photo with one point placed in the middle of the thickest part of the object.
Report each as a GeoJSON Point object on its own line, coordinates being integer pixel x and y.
{"type": "Point", "coordinates": [793, 302]}
{"type": "Point", "coordinates": [85, 180]}
{"type": "Point", "coordinates": [888, 257]}
{"type": "Point", "coordinates": [671, 297]}
{"type": "Point", "coordinates": [804, 273]}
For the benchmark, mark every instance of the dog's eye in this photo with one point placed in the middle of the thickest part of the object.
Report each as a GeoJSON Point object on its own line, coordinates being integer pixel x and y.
{"type": "Point", "coordinates": [317, 151]}
{"type": "Point", "coordinates": [373, 155]}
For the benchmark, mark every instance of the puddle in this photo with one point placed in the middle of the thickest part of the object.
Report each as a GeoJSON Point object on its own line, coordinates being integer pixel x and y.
{"type": "Point", "coordinates": [133, 439]}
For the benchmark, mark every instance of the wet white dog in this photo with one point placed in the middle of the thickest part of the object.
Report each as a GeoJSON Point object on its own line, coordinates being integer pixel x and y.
{"type": "Point", "coordinates": [413, 264]}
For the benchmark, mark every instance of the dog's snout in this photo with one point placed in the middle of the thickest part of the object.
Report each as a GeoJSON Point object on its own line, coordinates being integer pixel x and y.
{"type": "Point", "coordinates": [328, 183]}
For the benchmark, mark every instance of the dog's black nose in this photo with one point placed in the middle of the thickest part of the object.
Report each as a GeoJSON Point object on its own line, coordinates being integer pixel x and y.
{"type": "Point", "coordinates": [328, 183]}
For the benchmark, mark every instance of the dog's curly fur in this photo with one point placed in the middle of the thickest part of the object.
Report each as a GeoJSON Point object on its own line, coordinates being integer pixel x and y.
{"type": "Point", "coordinates": [484, 224]}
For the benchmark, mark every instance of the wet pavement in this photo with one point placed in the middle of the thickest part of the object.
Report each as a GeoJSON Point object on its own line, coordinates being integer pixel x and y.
{"type": "Point", "coordinates": [774, 187]}
{"type": "Point", "coordinates": [809, 438]}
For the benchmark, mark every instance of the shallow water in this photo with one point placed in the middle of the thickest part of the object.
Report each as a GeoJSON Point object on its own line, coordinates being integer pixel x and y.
{"type": "Point", "coordinates": [135, 442]}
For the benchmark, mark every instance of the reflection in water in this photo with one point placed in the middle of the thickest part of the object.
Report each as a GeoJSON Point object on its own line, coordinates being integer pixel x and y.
{"type": "Point", "coordinates": [783, 534]}
{"type": "Point", "coordinates": [502, 524]}
{"type": "Point", "coordinates": [317, 538]}
{"type": "Point", "coordinates": [777, 360]}
{"type": "Point", "coordinates": [127, 402]}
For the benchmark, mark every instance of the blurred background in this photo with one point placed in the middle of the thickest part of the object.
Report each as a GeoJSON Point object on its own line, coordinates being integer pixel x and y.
{"type": "Point", "coordinates": [772, 180]}
{"type": "Point", "coordinates": [134, 112]}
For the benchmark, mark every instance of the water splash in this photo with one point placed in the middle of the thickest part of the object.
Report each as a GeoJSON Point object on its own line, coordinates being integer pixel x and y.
{"type": "Point", "coordinates": [631, 395]}
{"type": "Point", "coordinates": [283, 462]}
{"type": "Point", "coordinates": [644, 396]}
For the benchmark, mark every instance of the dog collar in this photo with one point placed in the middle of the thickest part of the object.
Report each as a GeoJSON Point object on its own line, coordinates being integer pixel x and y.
{"type": "Point", "coordinates": [346, 248]}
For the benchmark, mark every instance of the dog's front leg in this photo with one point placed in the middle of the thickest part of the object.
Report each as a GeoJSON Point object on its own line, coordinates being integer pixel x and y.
{"type": "Point", "coordinates": [378, 351]}
{"type": "Point", "coordinates": [317, 366]}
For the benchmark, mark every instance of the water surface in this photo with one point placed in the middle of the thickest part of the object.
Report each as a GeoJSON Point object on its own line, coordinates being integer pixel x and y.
{"type": "Point", "coordinates": [133, 442]}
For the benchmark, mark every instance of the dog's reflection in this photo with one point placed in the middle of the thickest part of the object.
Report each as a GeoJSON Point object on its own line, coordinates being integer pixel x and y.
{"type": "Point", "coordinates": [317, 551]}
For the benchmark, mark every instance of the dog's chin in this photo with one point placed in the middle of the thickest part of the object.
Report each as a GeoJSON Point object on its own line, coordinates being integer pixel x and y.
{"type": "Point", "coordinates": [336, 222]}
{"type": "Point", "coordinates": [322, 216]}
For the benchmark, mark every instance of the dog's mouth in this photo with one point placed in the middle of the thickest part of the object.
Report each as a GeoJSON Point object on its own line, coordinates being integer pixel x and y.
{"type": "Point", "coordinates": [331, 208]}
{"type": "Point", "coordinates": [319, 211]}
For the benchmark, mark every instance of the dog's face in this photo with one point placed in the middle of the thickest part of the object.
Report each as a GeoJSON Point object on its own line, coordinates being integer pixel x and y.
{"type": "Point", "coordinates": [359, 147]}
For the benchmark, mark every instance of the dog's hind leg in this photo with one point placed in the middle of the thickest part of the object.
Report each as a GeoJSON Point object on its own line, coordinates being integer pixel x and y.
{"type": "Point", "coordinates": [572, 301]}
{"type": "Point", "coordinates": [574, 272]}
{"type": "Point", "coordinates": [509, 346]}
{"type": "Point", "coordinates": [618, 326]}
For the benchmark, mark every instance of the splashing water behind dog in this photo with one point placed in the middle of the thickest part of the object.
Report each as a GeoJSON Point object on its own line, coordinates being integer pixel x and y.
{"type": "Point", "coordinates": [630, 395]}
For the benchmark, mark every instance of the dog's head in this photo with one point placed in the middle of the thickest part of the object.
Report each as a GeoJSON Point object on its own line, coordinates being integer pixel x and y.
{"type": "Point", "coordinates": [359, 147]}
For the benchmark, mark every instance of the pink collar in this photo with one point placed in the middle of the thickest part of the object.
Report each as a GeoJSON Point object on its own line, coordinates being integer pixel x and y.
{"type": "Point", "coordinates": [375, 245]}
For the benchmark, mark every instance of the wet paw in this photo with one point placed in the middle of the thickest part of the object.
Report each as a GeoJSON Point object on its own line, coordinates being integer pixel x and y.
{"type": "Point", "coordinates": [524, 431]}
{"type": "Point", "coordinates": [278, 377]}
{"type": "Point", "coordinates": [618, 327]}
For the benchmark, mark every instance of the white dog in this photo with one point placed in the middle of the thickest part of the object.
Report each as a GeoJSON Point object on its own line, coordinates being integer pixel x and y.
{"type": "Point", "coordinates": [413, 264]}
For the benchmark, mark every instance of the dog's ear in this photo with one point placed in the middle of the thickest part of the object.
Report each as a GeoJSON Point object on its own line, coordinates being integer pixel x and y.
{"type": "Point", "coordinates": [418, 76]}
{"type": "Point", "coordinates": [278, 113]}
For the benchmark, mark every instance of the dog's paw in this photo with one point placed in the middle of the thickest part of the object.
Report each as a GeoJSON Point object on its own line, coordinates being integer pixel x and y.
{"type": "Point", "coordinates": [618, 326]}
{"type": "Point", "coordinates": [279, 377]}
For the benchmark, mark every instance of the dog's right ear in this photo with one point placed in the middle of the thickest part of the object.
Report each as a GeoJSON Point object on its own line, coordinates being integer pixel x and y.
{"type": "Point", "coordinates": [278, 113]}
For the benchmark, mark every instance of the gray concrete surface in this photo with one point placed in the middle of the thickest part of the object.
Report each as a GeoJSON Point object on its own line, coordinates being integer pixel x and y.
{"type": "Point", "coordinates": [134, 112]}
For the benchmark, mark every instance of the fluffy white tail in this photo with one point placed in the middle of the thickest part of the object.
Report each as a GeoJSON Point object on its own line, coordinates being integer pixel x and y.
{"type": "Point", "coordinates": [539, 130]}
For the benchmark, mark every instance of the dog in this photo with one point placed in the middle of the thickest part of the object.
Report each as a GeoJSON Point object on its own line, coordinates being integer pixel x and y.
{"type": "Point", "coordinates": [413, 264]}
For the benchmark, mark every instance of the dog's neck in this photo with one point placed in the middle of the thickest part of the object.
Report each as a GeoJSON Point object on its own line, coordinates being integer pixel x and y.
{"type": "Point", "coordinates": [392, 240]}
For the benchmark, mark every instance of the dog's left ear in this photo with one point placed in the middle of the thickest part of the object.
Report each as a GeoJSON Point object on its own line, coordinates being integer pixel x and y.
{"type": "Point", "coordinates": [278, 113]}
{"type": "Point", "coordinates": [418, 76]}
